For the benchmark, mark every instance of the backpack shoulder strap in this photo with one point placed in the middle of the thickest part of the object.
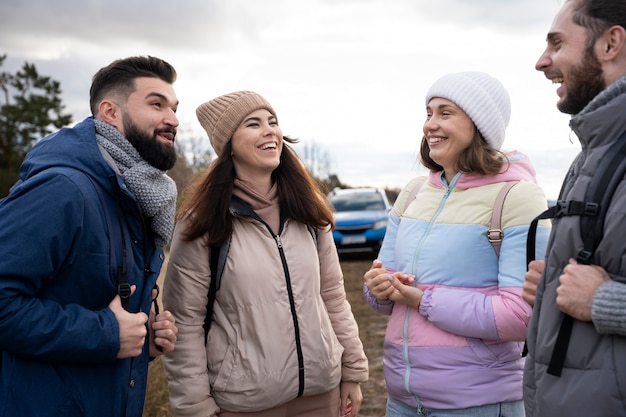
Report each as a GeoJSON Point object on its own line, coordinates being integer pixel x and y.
{"type": "Point", "coordinates": [416, 189]}
{"type": "Point", "coordinates": [123, 287]}
{"type": "Point", "coordinates": [217, 260]}
{"type": "Point", "coordinates": [314, 232]}
{"type": "Point", "coordinates": [494, 234]}
{"type": "Point", "coordinates": [607, 177]}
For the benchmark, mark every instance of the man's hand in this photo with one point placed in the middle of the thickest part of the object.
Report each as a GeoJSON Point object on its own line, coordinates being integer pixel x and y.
{"type": "Point", "coordinates": [578, 286]}
{"type": "Point", "coordinates": [531, 279]}
{"type": "Point", "coordinates": [132, 328]}
{"type": "Point", "coordinates": [163, 331]}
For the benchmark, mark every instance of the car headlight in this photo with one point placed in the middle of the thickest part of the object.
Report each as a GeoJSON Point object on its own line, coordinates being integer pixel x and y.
{"type": "Point", "coordinates": [380, 224]}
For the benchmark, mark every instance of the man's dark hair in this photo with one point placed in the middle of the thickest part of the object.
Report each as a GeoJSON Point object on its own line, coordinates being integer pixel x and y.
{"type": "Point", "coordinates": [119, 77]}
{"type": "Point", "coordinates": [599, 15]}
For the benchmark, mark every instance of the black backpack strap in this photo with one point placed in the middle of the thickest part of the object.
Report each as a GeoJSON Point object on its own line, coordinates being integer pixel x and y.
{"type": "Point", "coordinates": [214, 253]}
{"type": "Point", "coordinates": [314, 232]}
{"type": "Point", "coordinates": [601, 189]}
{"type": "Point", "coordinates": [600, 193]}
{"type": "Point", "coordinates": [123, 287]}
{"type": "Point", "coordinates": [217, 260]}
{"type": "Point", "coordinates": [560, 209]}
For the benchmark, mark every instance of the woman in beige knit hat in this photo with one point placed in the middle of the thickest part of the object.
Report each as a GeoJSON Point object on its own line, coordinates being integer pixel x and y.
{"type": "Point", "coordinates": [282, 340]}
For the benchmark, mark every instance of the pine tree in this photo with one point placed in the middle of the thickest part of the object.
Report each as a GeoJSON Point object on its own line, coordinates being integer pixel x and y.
{"type": "Point", "coordinates": [30, 108]}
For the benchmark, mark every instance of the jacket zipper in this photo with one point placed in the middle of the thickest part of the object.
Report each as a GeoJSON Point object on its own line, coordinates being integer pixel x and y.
{"type": "Point", "coordinates": [294, 315]}
{"type": "Point", "coordinates": [245, 211]}
{"type": "Point", "coordinates": [405, 327]}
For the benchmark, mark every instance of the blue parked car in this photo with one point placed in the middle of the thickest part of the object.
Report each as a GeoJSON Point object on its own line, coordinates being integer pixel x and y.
{"type": "Point", "coordinates": [360, 218]}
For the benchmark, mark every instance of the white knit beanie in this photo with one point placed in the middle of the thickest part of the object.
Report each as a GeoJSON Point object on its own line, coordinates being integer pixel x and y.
{"type": "Point", "coordinates": [483, 98]}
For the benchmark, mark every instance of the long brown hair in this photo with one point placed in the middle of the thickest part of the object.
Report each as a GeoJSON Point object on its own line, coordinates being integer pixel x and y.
{"type": "Point", "coordinates": [208, 202]}
{"type": "Point", "coordinates": [479, 157]}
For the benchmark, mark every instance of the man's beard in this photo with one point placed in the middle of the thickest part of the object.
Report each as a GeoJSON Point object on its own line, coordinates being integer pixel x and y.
{"type": "Point", "coordinates": [157, 154]}
{"type": "Point", "coordinates": [586, 81]}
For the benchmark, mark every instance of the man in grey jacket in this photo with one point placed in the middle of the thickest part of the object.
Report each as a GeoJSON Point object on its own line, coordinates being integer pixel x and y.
{"type": "Point", "coordinates": [586, 57]}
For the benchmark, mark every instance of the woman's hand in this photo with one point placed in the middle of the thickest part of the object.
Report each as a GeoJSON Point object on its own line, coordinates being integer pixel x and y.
{"type": "Point", "coordinates": [405, 294]}
{"type": "Point", "coordinates": [379, 280]}
{"type": "Point", "coordinates": [351, 399]}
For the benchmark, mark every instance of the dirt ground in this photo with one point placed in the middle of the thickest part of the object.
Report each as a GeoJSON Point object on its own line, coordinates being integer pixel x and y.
{"type": "Point", "coordinates": [372, 331]}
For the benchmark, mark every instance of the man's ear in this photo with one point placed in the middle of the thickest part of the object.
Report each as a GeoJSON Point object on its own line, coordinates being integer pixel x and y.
{"type": "Point", "coordinates": [110, 113]}
{"type": "Point", "coordinates": [612, 43]}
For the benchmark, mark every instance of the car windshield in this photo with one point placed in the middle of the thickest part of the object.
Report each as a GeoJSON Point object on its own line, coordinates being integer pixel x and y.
{"type": "Point", "coordinates": [358, 202]}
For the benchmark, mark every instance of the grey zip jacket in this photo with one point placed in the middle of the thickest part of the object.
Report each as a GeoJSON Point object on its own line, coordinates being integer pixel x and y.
{"type": "Point", "coordinates": [593, 382]}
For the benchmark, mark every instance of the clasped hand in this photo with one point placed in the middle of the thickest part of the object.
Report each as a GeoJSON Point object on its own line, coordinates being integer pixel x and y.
{"type": "Point", "coordinates": [392, 285]}
{"type": "Point", "coordinates": [579, 284]}
{"type": "Point", "coordinates": [132, 328]}
{"type": "Point", "coordinates": [577, 287]}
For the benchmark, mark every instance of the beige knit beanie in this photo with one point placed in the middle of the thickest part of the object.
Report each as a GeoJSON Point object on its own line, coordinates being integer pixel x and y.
{"type": "Point", "coordinates": [221, 116]}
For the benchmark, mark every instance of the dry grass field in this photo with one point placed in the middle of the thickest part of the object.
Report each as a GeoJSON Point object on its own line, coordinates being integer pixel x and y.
{"type": "Point", "coordinates": [372, 331]}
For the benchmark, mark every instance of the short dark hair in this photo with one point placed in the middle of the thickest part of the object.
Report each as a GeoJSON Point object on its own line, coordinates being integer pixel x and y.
{"type": "Point", "coordinates": [119, 77]}
{"type": "Point", "coordinates": [599, 15]}
{"type": "Point", "coordinates": [479, 157]}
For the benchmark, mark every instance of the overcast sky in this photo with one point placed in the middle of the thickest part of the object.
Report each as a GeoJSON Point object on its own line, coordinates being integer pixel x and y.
{"type": "Point", "coordinates": [349, 76]}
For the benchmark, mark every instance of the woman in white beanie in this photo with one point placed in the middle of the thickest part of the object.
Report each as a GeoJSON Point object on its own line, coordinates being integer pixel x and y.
{"type": "Point", "coordinates": [457, 318]}
{"type": "Point", "coordinates": [282, 340]}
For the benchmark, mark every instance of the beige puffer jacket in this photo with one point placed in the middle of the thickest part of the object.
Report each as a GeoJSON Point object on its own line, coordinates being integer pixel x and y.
{"type": "Point", "coordinates": [250, 362]}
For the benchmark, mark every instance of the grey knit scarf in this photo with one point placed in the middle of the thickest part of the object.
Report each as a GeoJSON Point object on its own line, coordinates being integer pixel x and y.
{"type": "Point", "coordinates": [154, 190]}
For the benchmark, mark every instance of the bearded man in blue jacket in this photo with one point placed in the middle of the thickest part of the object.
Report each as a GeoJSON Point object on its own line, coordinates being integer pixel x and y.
{"type": "Point", "coordinates": [81, 242]}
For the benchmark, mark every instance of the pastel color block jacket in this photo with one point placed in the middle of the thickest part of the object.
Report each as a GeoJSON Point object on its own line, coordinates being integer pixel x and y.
{"type": "Point", "coordinates": [463, 347]}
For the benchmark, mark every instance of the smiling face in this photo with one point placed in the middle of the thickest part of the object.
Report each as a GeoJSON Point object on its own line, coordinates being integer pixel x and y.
{"type": "Point", "coordinates": [568, 61]}
{"type": "Point", "coordinates": [257, 145]}
{"type": "Point", "coordinates": [449, 132]}
{"type": "Point", "coordinates": [149, 121]}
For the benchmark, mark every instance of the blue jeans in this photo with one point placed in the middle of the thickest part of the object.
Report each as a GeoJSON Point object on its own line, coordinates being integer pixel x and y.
{"type": "Point", "coordinates": [397, 408]}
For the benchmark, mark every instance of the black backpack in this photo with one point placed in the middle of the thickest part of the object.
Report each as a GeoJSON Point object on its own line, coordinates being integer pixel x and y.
{"type": "Point", "coordinates": [592, 212]}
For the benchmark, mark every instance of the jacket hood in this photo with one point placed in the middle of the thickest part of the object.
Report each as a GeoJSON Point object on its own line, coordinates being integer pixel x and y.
{"type": "Point", "coordinates": [74, 147]}
{"type": "Point", "coordinates": [519, 168]}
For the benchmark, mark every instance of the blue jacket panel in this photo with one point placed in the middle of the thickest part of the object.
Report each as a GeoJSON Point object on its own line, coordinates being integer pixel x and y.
{"type": "Point", "coordinates": [58, 338]}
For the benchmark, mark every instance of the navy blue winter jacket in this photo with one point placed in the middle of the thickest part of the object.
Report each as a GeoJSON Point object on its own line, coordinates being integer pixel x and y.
{"type": "Point", "coordinates": [58, 338]}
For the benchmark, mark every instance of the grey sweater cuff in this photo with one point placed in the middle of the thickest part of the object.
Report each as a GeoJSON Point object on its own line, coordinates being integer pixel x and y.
{"type": "Point", "coordinates": [608, 308]}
